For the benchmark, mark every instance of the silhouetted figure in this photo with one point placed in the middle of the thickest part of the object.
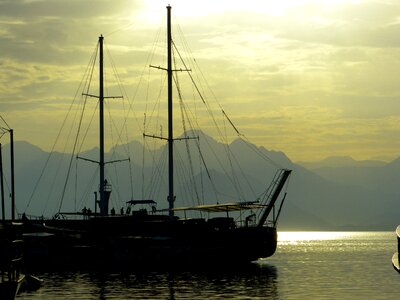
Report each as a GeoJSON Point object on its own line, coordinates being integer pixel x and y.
{"type": "Point", "coordinates": [122, 210]}
{"type": "Point", "coordinates": [113, 211]}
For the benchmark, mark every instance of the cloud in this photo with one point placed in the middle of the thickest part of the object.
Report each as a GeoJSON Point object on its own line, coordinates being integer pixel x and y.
{"type": "Point", "coordinates": [295, 77]}
{"type": "Point", "coordinates": [65, 9]}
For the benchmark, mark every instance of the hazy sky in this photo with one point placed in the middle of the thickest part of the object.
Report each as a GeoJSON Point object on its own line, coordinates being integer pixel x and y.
{"type": "Point", "coordinates": [310, 78]}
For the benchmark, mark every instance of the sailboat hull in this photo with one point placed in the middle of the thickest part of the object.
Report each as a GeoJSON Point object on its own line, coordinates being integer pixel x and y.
{"type": "Point", "coordinates": [128, 243]}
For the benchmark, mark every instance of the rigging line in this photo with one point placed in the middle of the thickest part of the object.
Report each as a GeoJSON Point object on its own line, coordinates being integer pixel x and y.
{"type": "Point", "coordinates": [148, 62]}
{"type": "Point", "coordinates": [8, 127]}
{"type": "Point", "coordinates": [215, 155]}
{"type": "Point", "coordinates": [200, 95]}
{"type": "Point", "coordinates": [126, 148]}
{"type": "Point", "coordinates": [191, 57]}
{"type": "Point", "coordinates": [187, 191]}
{"type": "Point", "coordinates": [236, 185]}
{"type": "Point", "coordinates": [267, 194]}
{"type": "Point", "coordinates": [189, 174]}
{"type": "Point", "coordinates": [113, 155]}
{"type": "Point", "coordinates": [76, 183]}
{"type": "Point", "coordinates": [73, 150]}
{"type": "Point", "coordinates": [122, 28]}
{"type": "Point", "coordinates": [89, 125]}
{"type": "Point", "coordinates": [157, 104]}
{"type": "Point", "coordinates": [149, 58]}
{"type": "Point", "coordinates": [128, 26]}
{"type": "Point", "coordinates": [182, 105]}
{"type": "Point", "coordinates": [89, 188]}
{"type": "Point", "coordinates": [187, 111]}
{"type": "Point", "coordinates": [219, 162]}
{"type": "Point", "coordinates": [7, 185]}
{"type": "Point", "coordinates": [208, 172]}
{"type": "Point", "coordinates": [201, 177]}
{"type": "Point", "coordinates": [158, 101]}
{"type": "Point", "coordinates": [287, 184]}
{"type": "Point", "coordinates": [52, 186]}
{"type": "Point", "coordinates": [260, 153]}
{"type": "Point", "coordinates": [131, 178]}
{"type": "Point", "coordinates": [230, 196]}
{"type": "Point", "coordinates": [143, 155]}
{"type": "Point", "coordinates": [117, 200]}
{"type": "Point", "coordinates": [216, 99]}
{"type": "Point", "coordinates": [69, 169]}
{"type": "Point", "coordinates": [84, 106]}
{"type": "Point", "coordinates": [229, 120]}
{"type": "Point", "coordinates": [246, 179]}
{"type": "Point", "coordinates": [194, 60]}
{"type": "Point", "coordinates": [153, 171]}
{"type": "Point", "coordinates": [93, 58]}
{"type": "Point", "coordinates": [123, 92]}
{"type": "Point", "coordinates": [180, 175]}
{"type": "Point", "coordinates": [241, 135]}
{"type": "Point", "coordinates": [239, 166]}
{"type": "Point", "coordinates": [159, 170]}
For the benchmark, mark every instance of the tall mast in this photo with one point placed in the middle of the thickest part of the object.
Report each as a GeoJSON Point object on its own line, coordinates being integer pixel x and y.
{"type": "Point", "coordinates": [103, 200]}
{"type": "Point", "coordinates": [170, 139]}
{"type": "Point", "coordinates": [3, 211]}
{"type": "Point", "coordinates": [171, 196]}
{"type": "Point", "coordinates": [12, 175]}
{"type": "Point", "coordinates": [104, 187]}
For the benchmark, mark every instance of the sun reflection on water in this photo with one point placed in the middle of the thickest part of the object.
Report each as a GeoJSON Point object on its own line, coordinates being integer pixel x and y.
{"type": "Point", "coordinates": [299, 236]}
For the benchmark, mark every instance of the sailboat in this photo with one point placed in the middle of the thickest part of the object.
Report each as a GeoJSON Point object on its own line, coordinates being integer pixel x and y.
{"type": "Point", "coordinates": [11, 276]}
{"type": "Point", "coordinates": [158, 236]}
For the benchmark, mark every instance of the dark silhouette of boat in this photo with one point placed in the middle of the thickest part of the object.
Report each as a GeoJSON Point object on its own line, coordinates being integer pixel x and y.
{"type": "Point", "coordinates": [157, 237]}
{"type": "Point", "coordinates": [13, 279]}
{"type": "Point", "coordinates": [11, 258]}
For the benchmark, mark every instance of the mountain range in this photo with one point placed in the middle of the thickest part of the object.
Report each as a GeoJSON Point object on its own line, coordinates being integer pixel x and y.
{"type": "Point", "coordinates": [337, 193]}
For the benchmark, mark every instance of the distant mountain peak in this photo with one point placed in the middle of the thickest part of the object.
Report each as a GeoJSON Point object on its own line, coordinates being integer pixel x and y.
{"type": "Point", "coordinates": [340, 162]}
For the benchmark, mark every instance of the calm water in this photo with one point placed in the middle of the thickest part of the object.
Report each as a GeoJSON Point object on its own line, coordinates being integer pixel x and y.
{"type": "Point", "coordinates": [307, 265]}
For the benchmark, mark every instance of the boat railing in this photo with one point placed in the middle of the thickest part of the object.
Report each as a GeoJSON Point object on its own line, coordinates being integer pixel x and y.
{"type": "Point", "coordinates": [222, 223]}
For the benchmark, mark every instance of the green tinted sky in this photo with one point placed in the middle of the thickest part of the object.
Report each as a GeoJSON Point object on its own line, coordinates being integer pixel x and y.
{"type": "Point", "coordinates": [310, 78]}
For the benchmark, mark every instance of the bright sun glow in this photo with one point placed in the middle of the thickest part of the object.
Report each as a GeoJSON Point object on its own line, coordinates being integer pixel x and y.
{"type": "Point", "coordinates": [197, 9]}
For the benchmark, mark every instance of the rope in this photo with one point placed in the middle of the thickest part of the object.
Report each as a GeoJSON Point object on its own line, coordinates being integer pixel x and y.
{"type": "Point", "coordinates": [74, 147]}
{"type": "Point", "coordinates": [93, 58]}
{"type": "Point", "coordinates": [182, 106]}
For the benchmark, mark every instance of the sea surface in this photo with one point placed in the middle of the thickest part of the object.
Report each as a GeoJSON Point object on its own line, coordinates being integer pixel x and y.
{"type": "Point", "coordinates": [306, 265]}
